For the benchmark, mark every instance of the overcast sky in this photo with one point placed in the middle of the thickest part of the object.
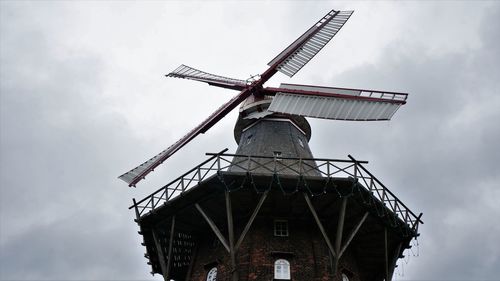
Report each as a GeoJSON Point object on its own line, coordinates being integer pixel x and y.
{"type": "Point", "coordinates": [83, 98]}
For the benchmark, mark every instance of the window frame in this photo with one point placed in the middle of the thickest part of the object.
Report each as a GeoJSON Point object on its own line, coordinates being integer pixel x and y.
{"type": "Point", "coordinates": [282, 232]}
{"type": "Point", "coordinates": [212, 269]}
{"type": "Point", "coordinates": [282, 274]}
{"type": "Point", "coordinates": [249, 139]}
{"type": "Point", "coordinates": [278, 155]}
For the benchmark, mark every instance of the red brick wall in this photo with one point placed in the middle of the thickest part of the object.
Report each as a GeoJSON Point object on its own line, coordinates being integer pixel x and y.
{"type": "Point", "coordinates": [304, 248]}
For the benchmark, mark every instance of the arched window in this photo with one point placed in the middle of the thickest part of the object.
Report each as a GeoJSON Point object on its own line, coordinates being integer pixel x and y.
{"type": "Point", "coordinates": [344, 277]}
{"type": "Point", "coordinates": [212, 274]}
{"type": "Point", "coordinates": [281, 269]}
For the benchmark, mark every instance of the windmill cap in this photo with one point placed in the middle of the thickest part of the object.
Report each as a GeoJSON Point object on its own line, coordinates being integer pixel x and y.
{"type": "Point", "coordinates": [298, 121]}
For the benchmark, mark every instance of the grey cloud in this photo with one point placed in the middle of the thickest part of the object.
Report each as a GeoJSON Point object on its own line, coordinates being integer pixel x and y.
{"type": "Point", "coordinates": [440, 152]}
{"type": "Point", "coordinates": [84, 246]}
{"type": "Point", "coordinates": [60, 213]}
{"type": "Point", "coordinates": [63, 212]}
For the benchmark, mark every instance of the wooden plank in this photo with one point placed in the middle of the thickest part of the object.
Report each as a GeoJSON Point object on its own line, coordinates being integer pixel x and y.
{"type": "Point", "coordinates": [161, 256]}
{"type": "Point", "coordinates": [170, 244]}
{"type": "Point", "coordinates": [192, 262]}
{"type": "Point", "coordinates": [320, 226]}
{"type": "Point", "coordinates": [340, 230]}
{"type": "Point", "coordinates": [213, 227]}
{"type": "Point", "coordinates": [386, 256]}
{"type": "Point", "coordinates": [230, 229]}
{"type": "Point", "coordinates": [137, 215]}
{"type": "Point", "coordinates": [250, 221]}
{"type": "Point", "coordinates": [394, 260]}
{"type": "Point", "coordinates": [353, 233]}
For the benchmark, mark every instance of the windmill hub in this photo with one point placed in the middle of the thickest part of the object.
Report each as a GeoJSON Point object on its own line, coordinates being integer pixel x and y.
{"type": "Point", "coordinates": [255, 106]}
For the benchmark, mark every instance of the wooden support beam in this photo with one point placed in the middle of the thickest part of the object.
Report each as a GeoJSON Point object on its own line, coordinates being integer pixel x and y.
{"type": "Point", "coordinates": [170, 246]}
{"type": "Point", "coordinates": [213, 227]}
{"type": "Point", "coordinates": [230, 229]}
{"type": "Point", "coordinates": [250, 221]}
{"type": "Point", "coordinates": [394, 260]}
{"type": "Point", "coordinates": [161, 256]}
{"type": "Point", "coordinates": [353, 233]}
{"type": "Point", "coordinates": [137, 215]}
{"type": "Point", "coordinates": [340, 230]}
{"type": "Point", "coordinates": [386, 256]}
{"type": "Point", "coordinates": [320, 226]}
{"type": "Point", "coordinates": [330, 259]}
{"type": "Point", "coordinates": [191, 262]}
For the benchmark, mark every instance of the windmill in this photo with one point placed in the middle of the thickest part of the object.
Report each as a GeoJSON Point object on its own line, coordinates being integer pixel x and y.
{"type": "Point", "coordinates": [290, 99]}
{"type": "Point", "coordinates": [272, 211]}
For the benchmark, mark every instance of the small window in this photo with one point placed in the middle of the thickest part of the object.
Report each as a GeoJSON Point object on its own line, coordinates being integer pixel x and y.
{"type": "Point", "coordinates": [212, 274]}
{"type": "Point", "coordinates": [249, 138]}
{"type": "Point", "coordinates": [277, 155]}
{"type": "Point", "coordinates": [301, 143]}
{"type": "Point", "coordinates": [281, 228]}
{"type": "Point", "coordinates": [281, 270]}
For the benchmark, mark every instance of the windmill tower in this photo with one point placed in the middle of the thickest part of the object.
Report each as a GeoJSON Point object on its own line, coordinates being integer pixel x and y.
{"type": "Point", "coordinates": [272, 211]}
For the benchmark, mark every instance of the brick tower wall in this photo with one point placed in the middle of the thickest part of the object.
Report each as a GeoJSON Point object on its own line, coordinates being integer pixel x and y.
{"type": "Point", "coordinates": [304, 248]}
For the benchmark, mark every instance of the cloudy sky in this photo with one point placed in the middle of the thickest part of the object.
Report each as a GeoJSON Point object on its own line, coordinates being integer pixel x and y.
{"type": "Point", "coordinates": [83, 98]}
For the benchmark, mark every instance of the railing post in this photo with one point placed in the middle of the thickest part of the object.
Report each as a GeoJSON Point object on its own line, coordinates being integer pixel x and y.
{"type": "Point", "coordinates": [274, 162]}
{"type": "Point", "coordinates": [248, 163]}
{"type": "Point", "coordinates": [137, 215]}
{"type": "Point", "coordinates": [355, 170]}
{"type": "Point", "coordinates": [383, 195]}
{"type": "Point", "coordinates": [415, 224]}
{"type": "Point", "coordinates": [368, 180]}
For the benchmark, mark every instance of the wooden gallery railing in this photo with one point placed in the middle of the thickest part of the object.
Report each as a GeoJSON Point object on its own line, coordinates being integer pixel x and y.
{"type": "Point", "coordinates": [219, 162]}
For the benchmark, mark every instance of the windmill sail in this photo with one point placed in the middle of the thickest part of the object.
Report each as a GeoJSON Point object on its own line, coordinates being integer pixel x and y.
{"type": "Point", "coordinates": [310, 101]}
{"type": "Point", "coordinates": [335, 103]}
{"type": "Point", "coordinates": [187, 72]}
{"type": "Point", "coordinates": [302, 50]}
{"type": "Point", "coordinates": [138, 173]}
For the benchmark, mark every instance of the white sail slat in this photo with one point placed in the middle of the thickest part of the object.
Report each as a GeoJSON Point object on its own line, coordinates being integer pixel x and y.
{"type": "Point", "coordinates": [335, 103]}
{"type": "Point", "coordinates": [334, 108]}
{"type": "Point", "coordinates": [188, 72]}
{"type": "Point", "coordinates": [302, 50]}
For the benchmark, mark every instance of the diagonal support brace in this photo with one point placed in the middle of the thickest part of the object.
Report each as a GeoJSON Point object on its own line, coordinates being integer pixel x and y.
{"type": "Point", "coordinates": [230, 229]}
{"type": "Point", "coordinates": [340, 230]}
{"type": "Point", "coordinates": [394, 260]}
{"type": "Point", "coordinates": [170, 246]}
{"type": "Point", "coordinates": [250, 221]}
{"type": "Point", "coordinates": [161, 256]}
{"type": "Point", "coordinates": [214, 227]}
{"type": "Point", "coordinates": [353, 233]}
{"type": "Point", "coordinates": [320, 225]}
